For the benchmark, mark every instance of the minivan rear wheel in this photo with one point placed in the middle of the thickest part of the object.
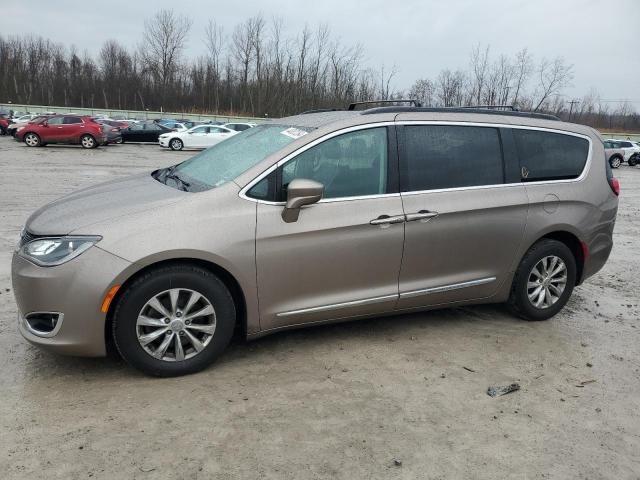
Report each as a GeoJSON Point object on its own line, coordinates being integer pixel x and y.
{"type": "Point", "coordinates": [543, 281]}
{"type": "Point", "coordinates": [173, 320]}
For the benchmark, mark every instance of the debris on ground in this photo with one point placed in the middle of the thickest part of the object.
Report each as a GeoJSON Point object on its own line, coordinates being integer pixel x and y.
{"type": "Point", "coordinates": [397, 463]}
{"type": "Point", "coordinates": [499, 391]}
{"type": "Point", "coordinates": [585, 382]}
{"type": "Point", "coordinates": [469, 369]}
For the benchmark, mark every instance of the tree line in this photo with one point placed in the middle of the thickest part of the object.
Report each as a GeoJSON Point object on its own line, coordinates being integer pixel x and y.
{"type": "Point", "coordinates": [255, 69]}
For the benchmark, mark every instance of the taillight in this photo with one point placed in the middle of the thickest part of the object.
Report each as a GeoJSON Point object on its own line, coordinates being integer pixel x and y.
{"type": "Point", "coordinates": [615, 185]}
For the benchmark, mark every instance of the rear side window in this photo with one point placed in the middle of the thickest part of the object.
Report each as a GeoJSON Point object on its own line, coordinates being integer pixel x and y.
{"type": "Point", "coordinates": [450, 156]}
{"type": "Point", "coordinates": [626, 144]}
{"type": "Point", "coordinates": [550, 156]}
{"type": "Point", "coordinates": [72, 120]}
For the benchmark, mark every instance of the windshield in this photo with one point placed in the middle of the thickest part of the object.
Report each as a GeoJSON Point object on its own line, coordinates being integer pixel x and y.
{"type": "Point", "coordinates": [228, 159]}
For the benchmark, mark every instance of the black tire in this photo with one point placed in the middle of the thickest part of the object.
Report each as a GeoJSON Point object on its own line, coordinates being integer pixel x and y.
{"type": "Point", "coordinates": [32, 140]}
{"type": "Point", "coordinates": [176, 144]}
{"type": "Point", "coordinates": [152, 283]}
{"type": "Point", "coordinates": [633, 161]}
{"type": "Point", "coordinates": [519, 302]}
{"type": "Point", "coordinates": [87, 141]}
{"type": "Point", "coordinates": [615, 161]}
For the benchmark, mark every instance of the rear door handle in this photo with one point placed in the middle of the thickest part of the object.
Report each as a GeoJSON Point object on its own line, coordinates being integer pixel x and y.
{"type": "Point", "coordinates": [421, 215]}
{"type": "Point", "coordinates": [387, 220]}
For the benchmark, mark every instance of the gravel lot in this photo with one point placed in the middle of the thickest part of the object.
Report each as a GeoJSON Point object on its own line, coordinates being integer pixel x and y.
{"type": "Point", "coordinates": [341, 401]}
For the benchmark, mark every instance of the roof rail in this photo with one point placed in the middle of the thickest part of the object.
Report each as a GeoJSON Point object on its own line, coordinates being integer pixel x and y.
{"type": "Point", "coordinates": [483, 111]}
{"type": "Point", "coordinates": [411, 101]}
{"type": "Point", "coordinates": [321, 110]}
{"type": "Point", "coordinates": [493, 107]}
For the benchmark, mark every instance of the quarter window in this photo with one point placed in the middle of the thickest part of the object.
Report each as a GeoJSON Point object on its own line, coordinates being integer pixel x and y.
{"type": "Point", "coordinates": [550, 156]}
{"type": "Point", "coordinates": [450, 156]}
{"type": "Point", "coordinates": [352, 164]}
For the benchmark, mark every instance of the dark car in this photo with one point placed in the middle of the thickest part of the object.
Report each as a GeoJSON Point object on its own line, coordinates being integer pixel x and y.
{"type": "Point", "coordinates": [112, 129]}
{"type": "Point", "coordinates": [143, 132]}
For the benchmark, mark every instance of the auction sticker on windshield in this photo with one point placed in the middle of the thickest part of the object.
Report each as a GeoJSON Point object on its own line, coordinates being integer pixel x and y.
{"type": "Point", "coordinates": [293, 132]}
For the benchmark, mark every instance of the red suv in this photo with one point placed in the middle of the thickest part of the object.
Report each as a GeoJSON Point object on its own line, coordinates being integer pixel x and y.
{"type": "Point", "coordinates": [74, 129]}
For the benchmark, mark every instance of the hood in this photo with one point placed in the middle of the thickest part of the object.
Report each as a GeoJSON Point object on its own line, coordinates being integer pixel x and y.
{"type": "Point", "coordinates": [102, 202]}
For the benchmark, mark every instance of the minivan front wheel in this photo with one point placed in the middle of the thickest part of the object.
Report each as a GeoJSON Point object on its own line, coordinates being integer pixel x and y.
{"type": "Point", "coordinates": [174, 320]}
{"type": "Point", "coordinates": [543, 281]}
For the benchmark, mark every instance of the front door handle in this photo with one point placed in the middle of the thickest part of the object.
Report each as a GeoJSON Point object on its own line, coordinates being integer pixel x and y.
{"type": "Point", "coordinates": [421, 215]}
{"type": "Point", "coordinates": [387, 220]}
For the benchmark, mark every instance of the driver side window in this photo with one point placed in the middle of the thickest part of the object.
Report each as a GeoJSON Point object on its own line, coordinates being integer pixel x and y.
{"type": "Point", "coordinates": [349, 165]}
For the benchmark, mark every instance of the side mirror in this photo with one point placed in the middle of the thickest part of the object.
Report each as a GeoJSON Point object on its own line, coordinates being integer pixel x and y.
{"type": "Point", "coordinates": [45, 124]}
{"type": "Point", "coordinates": [301, 192]}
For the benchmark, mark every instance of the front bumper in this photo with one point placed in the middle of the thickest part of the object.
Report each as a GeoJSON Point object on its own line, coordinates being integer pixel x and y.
{"type": "Point", "coordinates": [76, 289]}
{"type": "Point", "coordinates": [164, 142]}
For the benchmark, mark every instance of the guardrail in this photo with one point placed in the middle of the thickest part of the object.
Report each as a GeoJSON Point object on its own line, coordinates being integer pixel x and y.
{"type": "Point", "coordinates": [125, 114]}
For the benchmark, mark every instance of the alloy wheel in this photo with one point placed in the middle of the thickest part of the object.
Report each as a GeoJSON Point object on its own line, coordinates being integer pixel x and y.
{"type": "Point", "coordinates": [176, 324]}
{"type": "Point", "coordinates": [31, 139]}
{"type": "Point", "coordinates": [176, 144]}
{"type": "Point", "coordinates": [87, 141]}
{"type": "Point", "coordinates": [547, 281]}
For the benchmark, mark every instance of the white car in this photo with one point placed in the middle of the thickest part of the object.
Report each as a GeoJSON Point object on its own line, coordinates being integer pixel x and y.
{"type": "Point", "coordinates": [201, 136]}
{"type": "Point", "coordinates": [239, 126]}
{"type": "Point", "coordinates": [25, 118]}
{"type": "Point", "coordinates": [628, 147]}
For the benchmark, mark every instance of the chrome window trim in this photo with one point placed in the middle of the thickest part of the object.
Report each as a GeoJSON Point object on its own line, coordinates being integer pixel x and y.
{"type": "Point", "coordinates": [302, 149]}
{"type": "Point", "coordinates": [582, 176]}
{"type": "Point", "coordinates": [447, 288]}
{"type": "Point", "coordinates": [337, 306]}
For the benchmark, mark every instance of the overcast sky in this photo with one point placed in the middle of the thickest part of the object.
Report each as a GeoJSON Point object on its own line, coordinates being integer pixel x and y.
{"type": "Point", "coordinates": [421, 37]}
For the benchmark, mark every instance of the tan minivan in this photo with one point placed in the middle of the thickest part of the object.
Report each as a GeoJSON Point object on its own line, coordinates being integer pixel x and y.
{"type": "Point", "coordinates": [320, 217]}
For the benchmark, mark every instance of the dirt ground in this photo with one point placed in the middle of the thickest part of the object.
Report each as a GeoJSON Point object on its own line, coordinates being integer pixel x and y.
{"type": "Point", "coordinates": [343, 401]}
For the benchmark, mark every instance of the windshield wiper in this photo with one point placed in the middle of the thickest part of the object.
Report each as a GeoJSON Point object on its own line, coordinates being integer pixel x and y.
{"type": "Point", "coordinates": [169, 173]}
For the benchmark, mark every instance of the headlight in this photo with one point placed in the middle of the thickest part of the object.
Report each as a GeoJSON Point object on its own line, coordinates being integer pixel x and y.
{"type": "Point", "coordinates": [52, 251]}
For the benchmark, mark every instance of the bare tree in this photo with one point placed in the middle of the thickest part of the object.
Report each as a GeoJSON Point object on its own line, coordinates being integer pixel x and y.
{"type": "Point", "coordinates": [423, 90]}
{"type": "Point", "coordinates": [163, 40]}
{"type": "Point", "coordinates": [523, 69]}
{"type": "Point", "coordinates": [553, 77]}
{"type": "Point", "coordinates": [479, 63]}
{"type": "Point", "coordinates": [214, 41]}
{"type": "Point", "coordinates": [385, 82]}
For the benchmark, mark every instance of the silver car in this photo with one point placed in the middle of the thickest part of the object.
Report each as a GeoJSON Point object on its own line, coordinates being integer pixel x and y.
{"type": "Point", "coordinates": [316, 218]}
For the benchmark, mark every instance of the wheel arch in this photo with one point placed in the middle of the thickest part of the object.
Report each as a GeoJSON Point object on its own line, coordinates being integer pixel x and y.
{"type": "Point", "coordinates": [227, 278]}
